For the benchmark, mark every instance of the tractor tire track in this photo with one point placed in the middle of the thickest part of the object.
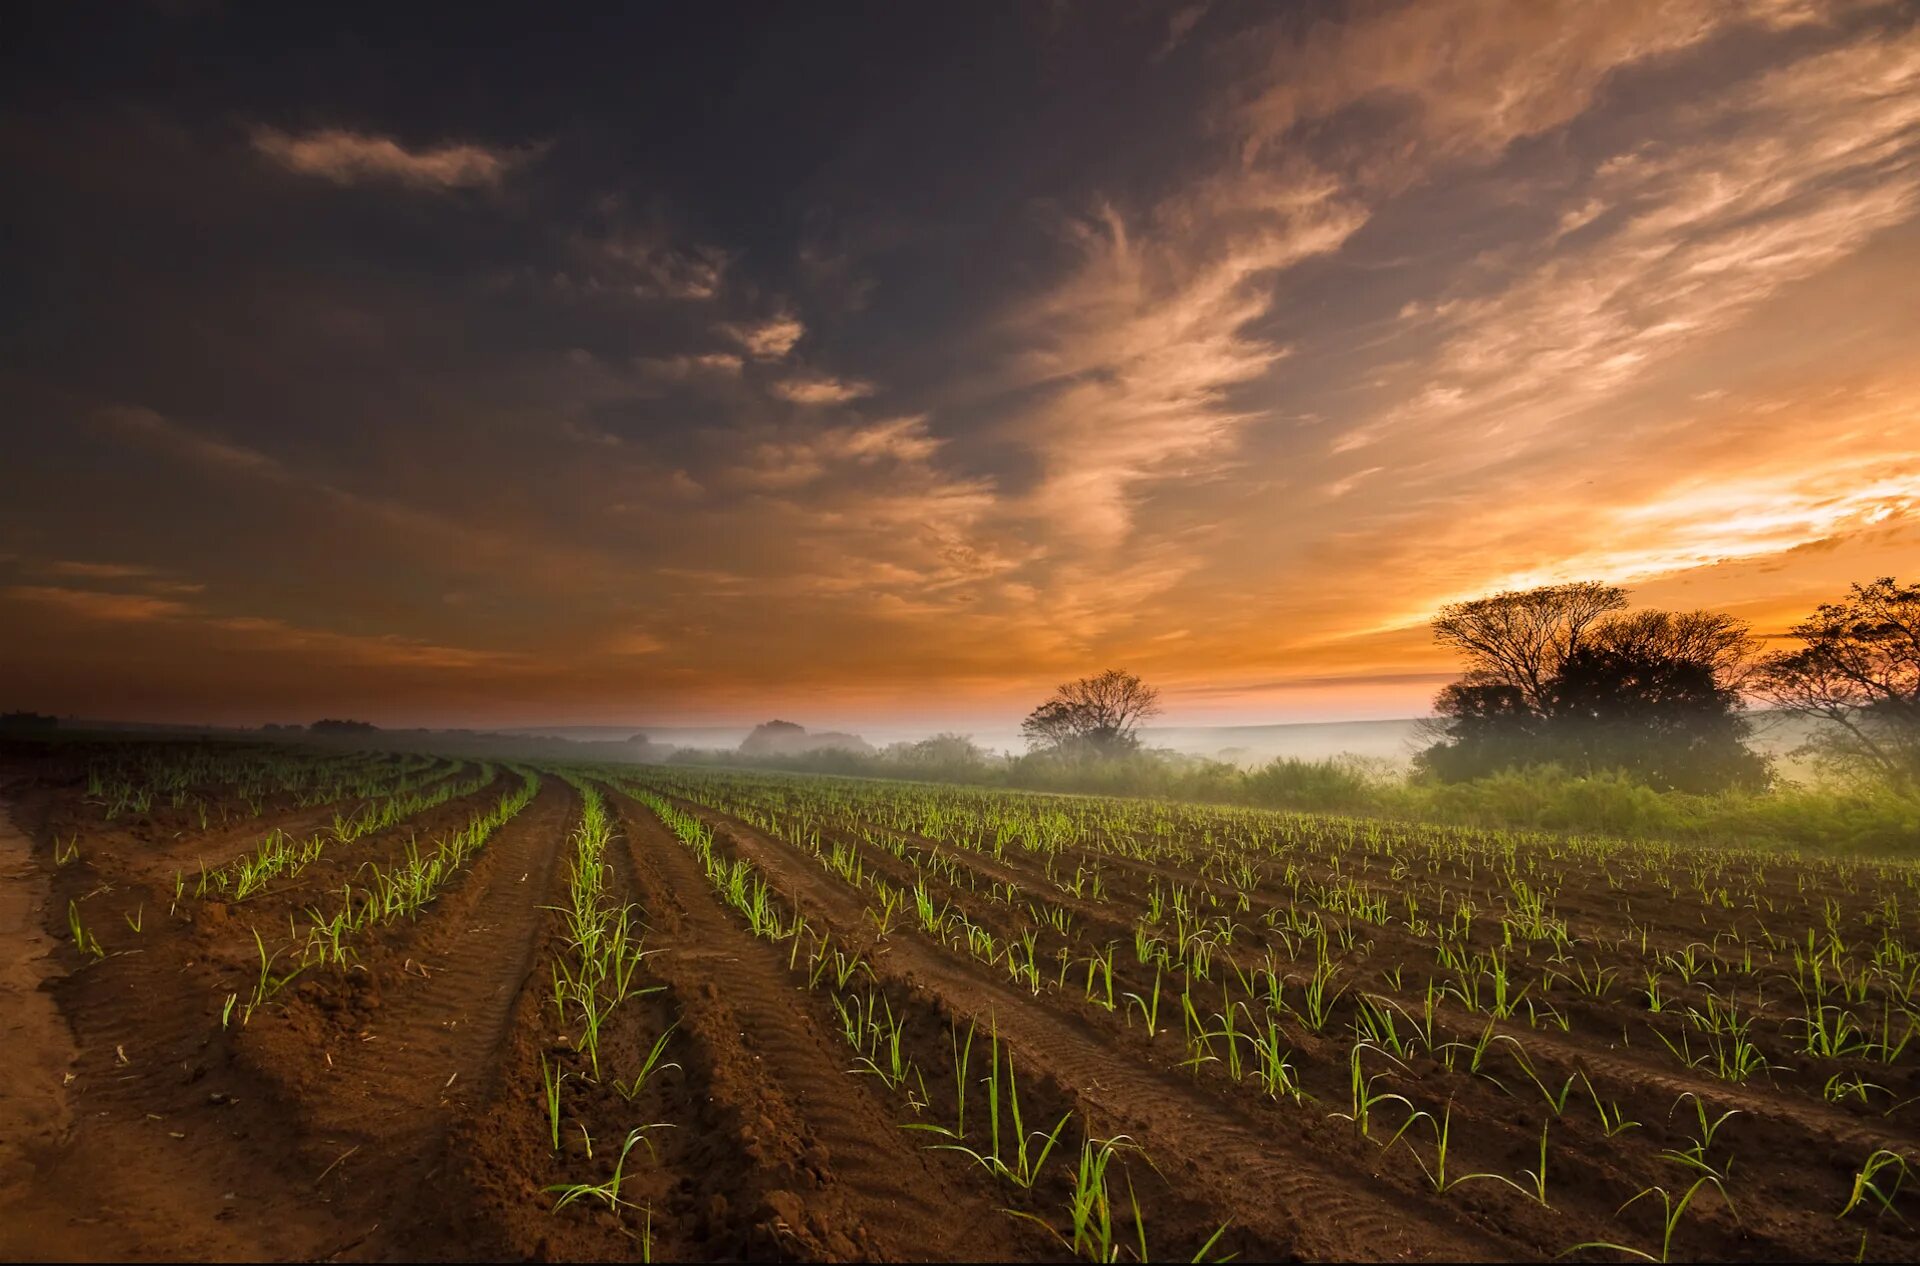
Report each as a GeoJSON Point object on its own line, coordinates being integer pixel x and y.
{"type": "Point", "coordinates": [390, 1102]}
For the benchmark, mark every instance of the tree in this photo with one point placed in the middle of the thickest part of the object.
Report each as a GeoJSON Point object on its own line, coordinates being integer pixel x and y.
{"type": "Point", "coordinates": [945, 755]}
{"type": "Point", "coordinates": [1858, 674]}
{"type": "Point", "coordinates": [1712, 638]}
{"type": "Point", "coordinates": [945, 748]}
{"type": "Point", "coordinates": [1519, 638]}
{"type": "Point", "coordinates": [785, 738]}
{"type": "Point", "coordinates": [1665, 713]}
{"type": "Point", "coordinates": [332, 725]}
{"type": "Point", "coordinates": [1558, 675]}
{"type": "Point", "coordinates": [1481, 726]}
{"type": "Point", "coordinates": [1096, 715]}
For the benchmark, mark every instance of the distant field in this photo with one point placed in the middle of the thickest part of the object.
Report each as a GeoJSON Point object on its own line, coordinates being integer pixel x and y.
{"type": "Point", "coordinates": [378, 1007]}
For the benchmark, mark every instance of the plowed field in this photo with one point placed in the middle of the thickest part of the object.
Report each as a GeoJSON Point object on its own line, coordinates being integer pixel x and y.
{"type": "Point", "coordinates": [293, 1007]}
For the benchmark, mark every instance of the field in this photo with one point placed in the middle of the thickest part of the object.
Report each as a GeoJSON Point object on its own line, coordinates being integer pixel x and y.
{"type": "Point", "coordinates": [311, 1005]}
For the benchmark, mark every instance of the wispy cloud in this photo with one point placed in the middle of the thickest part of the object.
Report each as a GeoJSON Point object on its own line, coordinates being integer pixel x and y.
{"type": "Point", "coordinates": [1470, 77]}
{"type": "Point", "coordinates": [408, 528]}
{"type": "Point", "coordinates": [150, 427]}
{"type": "Point", "coordinates": [118, 608]}
{"type": "Point", "coordinates": [651, 267]}
{"type": "Point", "coordinates": [149, 580]}
{"type": "Point", "coordinates": [793, 461]}
{"type": "Point", "coordinates": [97, 571]}
{"type": "Point", "coordinates": [353, 158]}
{"type": "Point", "coordinates": [1137, 353]}
{"type": "Point", "coordinates": [821, 389]}
{"type": "Point", "coordinates": [1774, 183]}
{"type": "Point", "coordinates": [254, 632]}
{"type": "Point", "coordinates": [685, 368]}
{"type": "Point", "coordinates": [769, 339]}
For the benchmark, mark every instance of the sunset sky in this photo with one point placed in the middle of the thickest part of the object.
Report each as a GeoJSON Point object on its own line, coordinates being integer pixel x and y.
{"type": "Point", "coordinates": [889, 363]}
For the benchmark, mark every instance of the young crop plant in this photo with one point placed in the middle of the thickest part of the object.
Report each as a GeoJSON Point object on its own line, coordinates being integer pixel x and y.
{"type": "Point", "coordinates": [650, 1065]}
{"type": "Point", "coordinates": [83, 940]}
{"type": "Point", "coordinates": [876, 1038]}
{"type": "Point", "coordinates": [266, 984]}
{"type": "Point", "coordinates": [1672, 1211]}
{"type": "Point", "coordinates": [1014, 1158]}
{"type": "Point", "coordinates": [1878, 1179]}
{"type": "Point", "coordinates": [1149, 1006]}
{"type": "Point", "coordinates": [1613, 1118]}
{"type": "Point", "coordinates": [962, 1056]}
{"type": "Point", "coordinates": [1365, 1100]}
{"type": "Point", "coordinates": [1695, 1157]}
{"type": "Point", "coordinates": [608, 1192]}
{"type": "Point", "coordinates": [1842, 1087]}
{"type": "Point", "coordinates": [550, 1080]}
{"type": "Point", "coordinates": [1436, 1173]}
{"type": "Point", "coordinates": [1272, 1067]}
{"type": "Point", "coordinates": [1094, 1231]}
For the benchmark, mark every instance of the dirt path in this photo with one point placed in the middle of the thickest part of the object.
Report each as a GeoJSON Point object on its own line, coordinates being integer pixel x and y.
{"type": "Point", "coordinates": [161, 1146]}
{"type": "Point", "coordinates": [36, 1047]}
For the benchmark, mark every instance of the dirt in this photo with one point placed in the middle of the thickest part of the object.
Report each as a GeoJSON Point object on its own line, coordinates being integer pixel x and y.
{"type": "Point", "coordinates": [394, 1108]}
{"type": "Point", "coordinates": [38, 1048]}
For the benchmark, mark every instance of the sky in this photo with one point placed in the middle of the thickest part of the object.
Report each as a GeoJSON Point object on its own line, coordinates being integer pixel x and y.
{"type": "Point", "coordinates": [881, 364]}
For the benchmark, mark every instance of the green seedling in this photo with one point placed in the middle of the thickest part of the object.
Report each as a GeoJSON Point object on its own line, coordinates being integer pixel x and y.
{"type": "Point", "coordinates": [1868, 1182]}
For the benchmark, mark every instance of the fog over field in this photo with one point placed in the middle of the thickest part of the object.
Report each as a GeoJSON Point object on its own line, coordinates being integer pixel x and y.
{"type": "Point", "coordinates": [1392, 742]}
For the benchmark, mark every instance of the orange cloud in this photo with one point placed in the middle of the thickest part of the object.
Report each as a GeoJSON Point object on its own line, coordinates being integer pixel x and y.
{"type": "Point", "coordinates": [821, 389]}
{"type": "Point", "coordinates": [117, 608]}
{"type": "Point", "coordinates": [352, 158]}
{"type": "Point", "coordinates": [770, 339]}
{"type": "Point", "coordinates": [1139, 349]}
{"type": "Point", "coordinates": [1480, 74]}
{"type": "Point", "coordinates": [254, 632]}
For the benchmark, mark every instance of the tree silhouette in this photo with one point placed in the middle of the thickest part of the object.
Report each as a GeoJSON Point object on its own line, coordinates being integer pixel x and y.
{"type": "Point", "coordinates": [1519, 638]}
{"type": "Point", "coordinates": [1859, 675]}
{"type": "Point", "coordinates": [1094, 715]}
{"type": "Point", "coordinates": [1665, 715]}
{"type": "Point", "coordinates": [1557, 675]}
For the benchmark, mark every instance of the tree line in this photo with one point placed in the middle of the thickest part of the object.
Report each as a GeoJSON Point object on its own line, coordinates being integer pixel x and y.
{"type": "Point", "coordinates": [1566, 675]}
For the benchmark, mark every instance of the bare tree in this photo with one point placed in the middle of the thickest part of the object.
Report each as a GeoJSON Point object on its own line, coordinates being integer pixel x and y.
{"type": "Point", "coordinates": [1521, 638]}
{"type": "Point", "coordinates": [1858, 674]}
{"type": "Point", "coordinates": [1099, 714]}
